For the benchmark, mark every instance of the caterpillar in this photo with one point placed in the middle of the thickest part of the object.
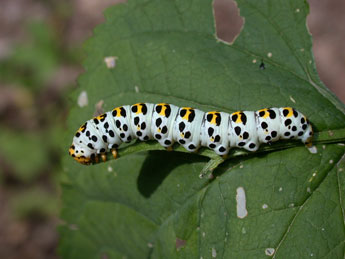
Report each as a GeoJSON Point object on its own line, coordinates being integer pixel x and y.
{"type": "Point", "coordinates": [190, 127]}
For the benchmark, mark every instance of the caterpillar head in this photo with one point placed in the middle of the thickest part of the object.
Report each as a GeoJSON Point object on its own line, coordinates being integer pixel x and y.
{"type": "Point", "coordinates": [79, 155]}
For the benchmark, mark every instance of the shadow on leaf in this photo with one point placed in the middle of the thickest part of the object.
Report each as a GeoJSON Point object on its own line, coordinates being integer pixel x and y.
{"type": "Point", "coordinates": [157, 166]}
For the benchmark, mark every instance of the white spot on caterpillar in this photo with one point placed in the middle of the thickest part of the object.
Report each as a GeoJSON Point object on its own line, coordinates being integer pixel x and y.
{"type": "Point", "coordinates": [331, 161]}
{"type": "Point", "coordinates": [269, 54]}
{"type": "Point", "coordinates": [265, 206]}
{"type": "Point", "coordinates": [244, 230]}
{"type": "Point", "coordinates": [82, 99]}
{"type": "Point", "coordinates": [280, 189]}
{"type": "Point", "coordinates": [214, 252]}
{"type": "Point", "coordinates": [322, 229]}
{"type": "Point", "coordinates": [254, 61]}
{"type": "Point", "coordinates": [291, 205]}
{"type": "Point", "coordinates": [150, 245]}
{"type": "Point", "coordinates": [110, 169]}
{"type": "Point", "coordinates": [341, 144]}
{"type": "Point", "coordinates": [323, 147]}
{"type": "Point", "coordinates": [312, 149]}
{"type": "Point", "coordinates": [269, 251]}
{"type": "Point", "coordinates": [241, 203]}
{"type": "Point", "coordinates": [110, 61]}
{"type": "Point", "coordinates": [297, 10]}
{"type": "Point", "coordinates": [292, 99]}
{"type": "Point", "coordinates": [136, 88]}
{"type": "Point", "coordinates": [241, 166]}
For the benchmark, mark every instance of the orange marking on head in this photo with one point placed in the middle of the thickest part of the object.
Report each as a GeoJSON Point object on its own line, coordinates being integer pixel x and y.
{"type": "Point", "coordinates": [80, 159]}
{"type": "Point", "coordinates": [71, 150]}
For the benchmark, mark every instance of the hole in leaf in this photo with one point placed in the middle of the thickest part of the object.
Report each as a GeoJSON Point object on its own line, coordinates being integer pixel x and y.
{"type": "Point", "coordinates": [229, 23]}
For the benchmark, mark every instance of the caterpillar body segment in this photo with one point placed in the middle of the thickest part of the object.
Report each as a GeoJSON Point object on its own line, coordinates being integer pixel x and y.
{"type": "Point", "coordinates": [190, 127]}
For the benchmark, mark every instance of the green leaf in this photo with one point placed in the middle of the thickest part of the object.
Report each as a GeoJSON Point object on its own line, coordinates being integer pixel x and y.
{"type": "Point", "coordinates": [152, 204]}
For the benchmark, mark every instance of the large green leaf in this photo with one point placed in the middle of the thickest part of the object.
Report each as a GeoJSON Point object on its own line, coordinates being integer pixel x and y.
{"type": "Point", "coordinates": [152, 204]}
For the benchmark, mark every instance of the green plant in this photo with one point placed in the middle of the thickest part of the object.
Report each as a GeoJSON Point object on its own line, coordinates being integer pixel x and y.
{"type": "Point", "coordinates": [152, 204]}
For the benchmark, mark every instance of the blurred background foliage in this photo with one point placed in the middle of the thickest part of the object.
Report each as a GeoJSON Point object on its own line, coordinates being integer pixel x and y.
{"type": "Point", "coordinates": [40, 59]}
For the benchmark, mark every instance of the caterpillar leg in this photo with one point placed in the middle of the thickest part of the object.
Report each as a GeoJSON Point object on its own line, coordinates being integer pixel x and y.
{"type": "Point", "coordinates": [104, 157]}
{"type": "Point", "coordinates": [114, 153]}
{"type": "Point", "coordinates": [169, 148]}
{"type": "Point", "coordinates": [94, 158]}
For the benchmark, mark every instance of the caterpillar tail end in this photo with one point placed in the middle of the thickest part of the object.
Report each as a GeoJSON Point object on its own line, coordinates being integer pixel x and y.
{"type": "Point", "coordinates": [307, 138]}
{"type": "Point", "coordinates": [309, 143]}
